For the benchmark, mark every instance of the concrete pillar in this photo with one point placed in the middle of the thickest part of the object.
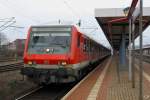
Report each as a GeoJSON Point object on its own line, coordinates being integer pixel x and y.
{"type": "Point", "coordinates": [122, 52]}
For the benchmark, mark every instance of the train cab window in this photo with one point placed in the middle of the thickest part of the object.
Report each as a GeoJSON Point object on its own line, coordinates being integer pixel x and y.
{"type": "Point", "coordinates": [84, 45]}
{"type": "Point", "coordinates": [78, 41]}
{"type": "Point", "coordinates": [88, 45]}
{"type": "Point", "coordinates": [55, 42]}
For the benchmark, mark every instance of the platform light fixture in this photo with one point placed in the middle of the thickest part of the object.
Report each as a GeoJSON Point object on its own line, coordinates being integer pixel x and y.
{"type": "Point", "coordinates": [126, 10]}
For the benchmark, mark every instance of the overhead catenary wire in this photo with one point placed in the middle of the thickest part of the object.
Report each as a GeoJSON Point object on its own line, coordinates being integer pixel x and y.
{"type": "Point", "coordinates": [7, 22]}
{"type": "Point", "coordinates": [69, 5]}
{"type": "Point", "coordinates": [12, 19]}
{"type": "Point", "coordinates": [7, 26]}
{"type": "Point", "coordinates": [3, 19]}
{"type": "Point", "coordinates": [70, 8]}
{"type": "Point", "coordinates": [77, 15]}
{"type": "Point", "coordinates": [74, 11]}
{"type": "Point", "coordinates": [3, 3]}
{"type": "Point", "coordinates": [17, 26]}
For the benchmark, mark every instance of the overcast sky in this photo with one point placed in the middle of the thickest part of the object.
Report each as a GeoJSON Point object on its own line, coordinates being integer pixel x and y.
{"type": "Point", "coordinates": [41, 12]}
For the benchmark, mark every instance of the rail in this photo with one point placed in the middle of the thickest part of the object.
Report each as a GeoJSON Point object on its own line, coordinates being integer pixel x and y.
{"type": "Point", "coordinates": [11, 67]}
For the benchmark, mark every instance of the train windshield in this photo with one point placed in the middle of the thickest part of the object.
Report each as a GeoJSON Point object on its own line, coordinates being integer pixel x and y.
{"type": "Point", "coordinates": [49, 42]}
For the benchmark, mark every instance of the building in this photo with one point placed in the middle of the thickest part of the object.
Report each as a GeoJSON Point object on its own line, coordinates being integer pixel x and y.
{"type": "Point", "coordinates": [15, 48]}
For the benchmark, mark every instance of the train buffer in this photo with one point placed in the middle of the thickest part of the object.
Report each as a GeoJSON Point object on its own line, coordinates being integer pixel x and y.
{"type": "Point", "coordinates": [108, 82]}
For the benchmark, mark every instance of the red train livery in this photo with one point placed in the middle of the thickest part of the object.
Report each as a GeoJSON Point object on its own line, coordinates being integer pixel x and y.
{"type": "Point", "coordinates": [59, 54]}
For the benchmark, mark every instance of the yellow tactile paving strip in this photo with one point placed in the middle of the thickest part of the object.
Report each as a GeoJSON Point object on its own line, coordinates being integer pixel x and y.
{"type": "Point", "coordinates": [95, 89]}
{"type": "Point", "coordinates": [83, 88]}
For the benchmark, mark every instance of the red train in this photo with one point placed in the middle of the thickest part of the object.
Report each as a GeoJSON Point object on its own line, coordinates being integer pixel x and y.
{"type": "Point", "coordinates": [59, 54]}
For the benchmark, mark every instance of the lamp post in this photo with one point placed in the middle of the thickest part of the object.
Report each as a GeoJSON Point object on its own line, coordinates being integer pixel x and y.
{"type": "Point", "coordinates": [126, 10]}
{"type": "Point", "coordinates": [141, 51]}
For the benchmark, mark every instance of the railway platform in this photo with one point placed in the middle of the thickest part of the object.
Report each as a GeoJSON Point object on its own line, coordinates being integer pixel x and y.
{"type": "Point", "coordinates": [109, 82]}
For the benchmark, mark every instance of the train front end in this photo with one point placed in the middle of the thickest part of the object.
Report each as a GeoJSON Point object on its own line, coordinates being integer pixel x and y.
{"type": "Point", "coordinates": [47, 54]}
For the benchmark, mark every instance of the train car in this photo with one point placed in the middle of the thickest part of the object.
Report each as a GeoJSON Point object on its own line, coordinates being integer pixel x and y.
{"type": "Point", "coordinates": [59, 54]}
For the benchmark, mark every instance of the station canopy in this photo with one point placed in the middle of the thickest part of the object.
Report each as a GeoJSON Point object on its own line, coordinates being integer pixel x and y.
{"type": "Point", "coordinates": [103, 16]}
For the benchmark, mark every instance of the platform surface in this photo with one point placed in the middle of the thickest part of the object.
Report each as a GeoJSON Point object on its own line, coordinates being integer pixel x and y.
{"type": "Point", "coordinates": [106, 82]}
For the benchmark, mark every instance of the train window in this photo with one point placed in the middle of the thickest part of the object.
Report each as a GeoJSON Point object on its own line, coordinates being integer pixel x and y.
{"type": "Point", "coordinates": [78, 41]}
{"type": "Point", "coordinates": [87, 45]}
{"type": "Point", "coordinates": [90, 46]}
{"type": "Point", "coordinates": [84, 45]}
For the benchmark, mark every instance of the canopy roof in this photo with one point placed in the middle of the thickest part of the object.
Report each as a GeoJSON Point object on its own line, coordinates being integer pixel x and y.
{"type": "Point", "coordinates": [114, 32]}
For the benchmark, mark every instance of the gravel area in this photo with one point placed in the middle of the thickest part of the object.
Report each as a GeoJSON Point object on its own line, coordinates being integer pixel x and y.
{"type": "Point", "coordinates": [12, 84]}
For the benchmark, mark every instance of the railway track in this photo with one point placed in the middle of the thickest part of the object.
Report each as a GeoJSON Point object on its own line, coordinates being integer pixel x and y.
{"type": "Point", "coordinates": [146, 58]}
{"type": "Point", "coordinates": [7, 60]}
{"type": "Point", "coordinates": [51, 92]}
{"type": "Point", "coordinates": [11, 67]}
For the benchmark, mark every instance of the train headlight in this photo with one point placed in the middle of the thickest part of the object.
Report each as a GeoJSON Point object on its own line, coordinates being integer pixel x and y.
{"type": "Point", "coordinates": [64, 63]}
{"type": "Point", "coordinates": [47, 50]}
{"type": "Point", "coordinates": [30, 62]}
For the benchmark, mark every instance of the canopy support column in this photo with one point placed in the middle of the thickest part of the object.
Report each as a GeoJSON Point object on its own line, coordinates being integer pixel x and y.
{"type": "Point", "coordinates": [122, 51]}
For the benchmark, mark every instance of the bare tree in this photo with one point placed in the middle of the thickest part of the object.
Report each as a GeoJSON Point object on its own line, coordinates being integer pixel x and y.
{"type": "Point", "coordinates": [3, 40]}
